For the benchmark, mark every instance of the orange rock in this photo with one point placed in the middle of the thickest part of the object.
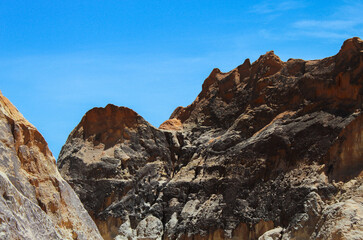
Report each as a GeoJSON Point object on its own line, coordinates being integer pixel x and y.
{"type": "Point", "coordinates": [172, 124]}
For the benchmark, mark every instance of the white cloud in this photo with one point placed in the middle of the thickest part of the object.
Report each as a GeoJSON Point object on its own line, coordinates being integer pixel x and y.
{"type": "Point", "coordinates": [350, 11]}
{"type": "Point", "coordinates": [268, 7]}
{"type": "Point", "coordinates": [321, 34]}
{"type": "Point", "coordinates": [327, 24]}
{"type": "Point", "coordinates": [344, 23]}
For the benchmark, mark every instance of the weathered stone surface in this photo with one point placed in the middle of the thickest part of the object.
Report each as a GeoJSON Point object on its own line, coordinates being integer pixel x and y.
{"type": "Point", "coordinates": [274, 234]}
{"type": "Point", "coordinates": [115, 161]}
{"type": "Point", "coordinates": [339, 219]}
{"type": "Point", "coordinates": [148, 228]}
{"type": "Point", "coordinates": [35, 201]}
{"type": "Point", "coordinates": [171, 124]}
{"type": "Point", "coordinates": [268, 145]}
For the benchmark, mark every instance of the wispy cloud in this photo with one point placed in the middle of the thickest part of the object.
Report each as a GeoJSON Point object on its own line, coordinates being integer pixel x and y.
{"type": "Point", "coordinates": [352, 10]}
{"type": "Point", "coordinates": [329, 24]}
{"type": "Point", "coordinates": [296, 34]}
{"type": "Point", "coordinates": [268, 7]}
{"type": "Point", "coordinates": [345, 22]}
{"type": "Point", "coordinates": [320, 34]}
{"type": "Point", "coordinates": [334, 29]}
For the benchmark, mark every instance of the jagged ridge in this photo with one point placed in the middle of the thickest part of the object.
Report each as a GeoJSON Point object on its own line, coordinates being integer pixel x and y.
{"type": "Point", "coordinates": [260, 147]}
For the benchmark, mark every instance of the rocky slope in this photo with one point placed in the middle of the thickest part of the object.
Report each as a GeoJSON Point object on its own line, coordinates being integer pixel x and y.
{"type": "Point", "coordinates": [35, 201]}
{"type": "Point", "coordinates": [269, 150]}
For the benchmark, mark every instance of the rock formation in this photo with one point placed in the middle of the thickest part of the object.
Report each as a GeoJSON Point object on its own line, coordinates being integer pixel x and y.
{"type": "Point", "coordinates": [35, 201]}
{"type": "Point", "coordinates": [269, 150]}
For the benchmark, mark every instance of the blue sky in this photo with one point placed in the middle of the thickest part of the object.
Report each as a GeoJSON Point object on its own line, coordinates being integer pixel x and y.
{"type": "Point", "coordinates": [58, 59]}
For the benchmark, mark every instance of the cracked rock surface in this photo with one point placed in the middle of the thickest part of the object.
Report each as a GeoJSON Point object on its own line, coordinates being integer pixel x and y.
{"type": "Point", "coordinates": [35, 201]}
{"type": "Point", "coordinates": [269, 150]}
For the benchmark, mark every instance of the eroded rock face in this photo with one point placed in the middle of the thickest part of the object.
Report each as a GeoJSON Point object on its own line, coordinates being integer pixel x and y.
{"type": "Point", "coordinates": [115, 157]}
{"type": "Point", "coordinates": [35, 201]}
{"type": "Point", "coordinates": [267, 146]}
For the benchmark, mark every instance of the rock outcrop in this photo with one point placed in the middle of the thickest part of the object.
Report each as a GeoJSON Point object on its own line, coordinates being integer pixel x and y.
{"type": "Point", "coordinates": [108, 156]}
{"type": "Point", "coordinates": [35, 201]}
{"type": "Point", "coordinates": [269, 150]}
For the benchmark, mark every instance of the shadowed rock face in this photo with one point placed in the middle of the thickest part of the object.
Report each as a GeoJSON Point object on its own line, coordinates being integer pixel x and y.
{"type": "Point", "coordinates": [270, 145]}
{"type": "Point", "coordinates": [35, 201]}
{"type": "Point", "coordinates": [108, 156]}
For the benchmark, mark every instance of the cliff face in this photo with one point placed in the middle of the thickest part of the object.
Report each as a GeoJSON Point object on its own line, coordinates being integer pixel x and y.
{"type": "Point", "coordinates": [108, 156]}
{"type": "Point", "coordinates": [35, 201]}
{"type": "Point", "coordinates": [270, 149]}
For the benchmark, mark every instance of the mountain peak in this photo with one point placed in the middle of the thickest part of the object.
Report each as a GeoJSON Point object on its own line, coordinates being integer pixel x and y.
{"type": "Point", "coordinates": [106, 125]}
{"type": "Point", "coordinates": [261, 145]}
{"type": "Point", "coordinates": [352, 44]}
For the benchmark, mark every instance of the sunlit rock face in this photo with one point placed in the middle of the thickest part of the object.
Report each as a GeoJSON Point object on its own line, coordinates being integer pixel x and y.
{"type": "Point", "coordinates": [35, 201]}
{"type": "Point", "coordinates": [269, 150]}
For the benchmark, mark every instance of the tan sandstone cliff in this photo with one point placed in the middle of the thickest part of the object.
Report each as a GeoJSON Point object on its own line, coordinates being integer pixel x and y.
{"type": "Point", "coordinates": [35, 201]}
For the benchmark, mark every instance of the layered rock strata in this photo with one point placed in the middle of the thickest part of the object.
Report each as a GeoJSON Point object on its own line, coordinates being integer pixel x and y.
{"type": "Point", "coordinates": [269, 150]}
{"type": "Point", "coordinates": [35, 201]}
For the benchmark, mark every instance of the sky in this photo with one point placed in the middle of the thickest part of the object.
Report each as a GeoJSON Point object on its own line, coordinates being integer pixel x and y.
{"type": "Point", "coordinates": [59, 59]}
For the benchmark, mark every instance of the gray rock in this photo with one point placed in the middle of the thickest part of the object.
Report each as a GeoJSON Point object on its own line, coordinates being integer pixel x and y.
{"type": "Point", "coordinates": [261, 146]}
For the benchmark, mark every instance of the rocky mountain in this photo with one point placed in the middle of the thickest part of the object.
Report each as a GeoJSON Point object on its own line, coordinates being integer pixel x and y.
{"type": "Point", "coordinates": [269, 150]}
{"type": "Point", "coordinates": [35, 201]}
